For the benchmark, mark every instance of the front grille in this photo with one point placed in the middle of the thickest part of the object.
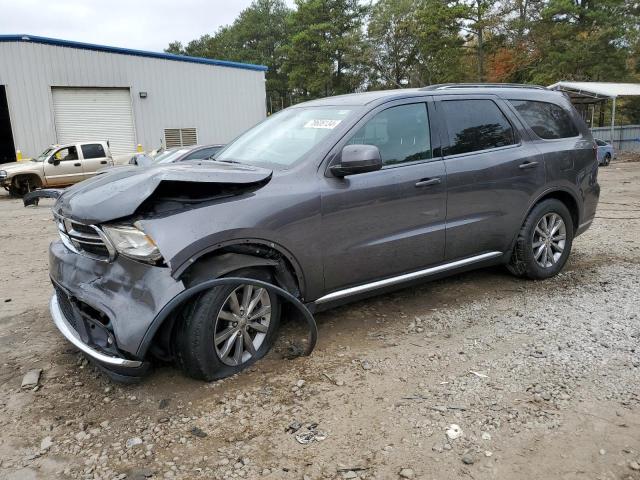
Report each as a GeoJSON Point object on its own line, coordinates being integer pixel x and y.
{"type": "Point", "coordinates": [85, 239]}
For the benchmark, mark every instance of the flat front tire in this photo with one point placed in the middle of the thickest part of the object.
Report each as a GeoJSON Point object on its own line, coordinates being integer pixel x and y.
{"type": "Point", "coordinates": [228, 328]}
{"type": "Point", "coordinates": [544, 241]}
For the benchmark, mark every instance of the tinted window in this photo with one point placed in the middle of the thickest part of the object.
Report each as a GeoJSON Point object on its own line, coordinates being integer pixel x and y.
{"type": "Point", "coordinates": [475, 125]}
{"type": "Point", "coordinates": [93, 150]}
{"type": "Point", "coordinates": [546, 119]}
{"type": "Point", "coordinates": [203, 153]}
{"type": "Point", "coordinates": [401, 133]}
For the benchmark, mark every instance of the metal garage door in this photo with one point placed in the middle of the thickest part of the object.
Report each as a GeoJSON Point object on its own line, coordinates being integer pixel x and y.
{"type": "Point", "coordinates": [88, 114]}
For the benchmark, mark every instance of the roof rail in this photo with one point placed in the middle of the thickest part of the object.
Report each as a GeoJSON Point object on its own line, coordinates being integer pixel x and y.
{"type": "Point", "coordinates": [448, 86]}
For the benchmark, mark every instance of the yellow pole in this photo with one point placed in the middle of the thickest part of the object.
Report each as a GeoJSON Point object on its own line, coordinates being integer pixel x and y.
{"type": "Point", "coordinates": [18, 155]}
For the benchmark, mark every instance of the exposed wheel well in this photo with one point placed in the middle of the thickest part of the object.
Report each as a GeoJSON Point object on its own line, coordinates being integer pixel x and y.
{"type": "Point", "coordinates": [222, 262]}
{"type": "Point", "coordinates": [568, 200]}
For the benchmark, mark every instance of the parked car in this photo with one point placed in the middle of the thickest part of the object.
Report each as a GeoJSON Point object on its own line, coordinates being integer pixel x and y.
{"type": "Point", "coordinates": [605, 152]}
{"type": "Point", "coordinates": [332, 200]}
{"type": "Point", "coordinates": [57, 166]}
{"type": "Point", "coordinates": [178, 154]}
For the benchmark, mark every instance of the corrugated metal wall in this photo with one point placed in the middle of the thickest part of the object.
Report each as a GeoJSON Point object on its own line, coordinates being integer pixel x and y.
{"type": "Point", "coordinates": [221, 102]}
{"type": "Point", "coordinates": [626, 138]}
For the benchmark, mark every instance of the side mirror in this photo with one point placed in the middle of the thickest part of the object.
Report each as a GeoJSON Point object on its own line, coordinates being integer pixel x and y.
{"type": "Point", "coordinates": [357, 159]}
{"type": "Point", "coordinates": [54, 161]}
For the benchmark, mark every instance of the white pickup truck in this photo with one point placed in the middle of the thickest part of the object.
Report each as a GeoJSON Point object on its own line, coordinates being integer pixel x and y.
{"type": "Point", "coordinates": [57, 166]}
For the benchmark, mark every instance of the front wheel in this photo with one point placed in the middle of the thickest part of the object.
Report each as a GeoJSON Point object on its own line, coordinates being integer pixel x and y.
{"type": "Point", "coordinates": [607, 159]}
{"type": "Point", "coordinates": [544, 241]}
{"type": "Point", "coordinates": [228, 328]}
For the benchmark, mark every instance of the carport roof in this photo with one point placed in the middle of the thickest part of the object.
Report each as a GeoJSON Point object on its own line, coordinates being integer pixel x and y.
{"type": "Point", "coordinates": [598, 89]}
{"type": "Point", "coordinates": [128, 51]}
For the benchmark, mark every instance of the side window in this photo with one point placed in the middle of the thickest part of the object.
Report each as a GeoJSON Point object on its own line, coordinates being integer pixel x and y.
{"type": "Point", "coordinates": [92, 150]}
{"type": "Point", "coordinates": [401, 133]}
{"type": "Point", "coordinates": [547, 120]}
{"type": "Point", "coordinates": [66, 154]}
{"type": "Point", "coordinates": [475, 125]}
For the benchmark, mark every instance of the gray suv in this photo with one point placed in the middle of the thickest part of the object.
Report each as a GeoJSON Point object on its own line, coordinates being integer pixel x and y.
{"type": "Point", "coordinates": [331, 200]}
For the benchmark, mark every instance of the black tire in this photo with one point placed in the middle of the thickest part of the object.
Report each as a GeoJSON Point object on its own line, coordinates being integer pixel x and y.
{"type": "Point", "coordinates": [523, 262]}
{"type": "Point", "coordinates": [195, 350]}
{"type": "Point", "coordinates": [607, 159]}
{"type": "Point", "coordinates": [22, 185]}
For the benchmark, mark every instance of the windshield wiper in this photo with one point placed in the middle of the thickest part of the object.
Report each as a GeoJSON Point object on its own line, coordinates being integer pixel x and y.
{"type": "Point", "coordinates": [226, 161]}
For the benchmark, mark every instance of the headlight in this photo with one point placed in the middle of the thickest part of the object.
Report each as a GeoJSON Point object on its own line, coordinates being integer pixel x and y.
{"type": "Point", "coordinates": [132, 242]}
{"type": "Point", "coordinates": [3, 174]}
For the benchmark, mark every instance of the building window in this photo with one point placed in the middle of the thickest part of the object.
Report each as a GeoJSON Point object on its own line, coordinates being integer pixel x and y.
{"type": "Point", "coordinates": [180, 137]}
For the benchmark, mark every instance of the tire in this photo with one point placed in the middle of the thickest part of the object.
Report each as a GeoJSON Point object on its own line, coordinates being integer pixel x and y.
{"type": "Point", "coordinates": [607, 160]}
{"type": "Point", "coordinates": [550, 257]}
{"type": "Point", "coordinates": [200, 324]}
{"type": "Point", "coordinates": [22, 185]}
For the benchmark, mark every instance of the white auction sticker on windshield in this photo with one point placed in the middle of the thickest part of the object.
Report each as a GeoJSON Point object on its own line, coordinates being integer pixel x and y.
{"type": "Point", "coordinates": [329, 124]}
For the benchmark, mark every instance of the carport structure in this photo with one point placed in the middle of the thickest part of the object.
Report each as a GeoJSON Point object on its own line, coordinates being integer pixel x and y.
{"type": "Point", "coordinates": [592, 93]}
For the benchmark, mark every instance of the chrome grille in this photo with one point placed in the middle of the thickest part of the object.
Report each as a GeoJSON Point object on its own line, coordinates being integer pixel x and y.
{"type": "Point", "coordinates": [85, 239]}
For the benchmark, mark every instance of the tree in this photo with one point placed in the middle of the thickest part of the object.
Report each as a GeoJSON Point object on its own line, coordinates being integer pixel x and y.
{"type": "Point", "coordinates": [258, 35]}
{"type": "Point", "coordinates": [440, 52]}
{"type": "Point", "coordinates": [392, 43]}
{"type": "Point", "coordinates": [581, 40]}
{"type": "Point", "coordinates": [325, 48]}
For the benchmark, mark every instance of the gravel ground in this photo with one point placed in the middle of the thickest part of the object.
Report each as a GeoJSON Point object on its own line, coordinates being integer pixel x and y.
{"type": "Point", "coordinates": [542, 379]}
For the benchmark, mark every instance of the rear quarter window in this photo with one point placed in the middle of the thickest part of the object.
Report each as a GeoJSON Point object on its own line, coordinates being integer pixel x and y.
{"type": "Point", "coordinates": [547, 120]}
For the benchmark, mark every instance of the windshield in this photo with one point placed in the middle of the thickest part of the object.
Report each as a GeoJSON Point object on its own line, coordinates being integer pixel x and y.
{"type": "Point", "coordinates": [284, 138]}
{"type": "Point", "coordinates": [43, 156]}
{"type": "Point", "coordinates": [170, 155]}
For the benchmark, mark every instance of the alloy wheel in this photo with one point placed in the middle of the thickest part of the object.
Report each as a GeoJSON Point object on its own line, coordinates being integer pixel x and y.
{"type": "Point", "coordinates": [549, 239]}
{"type": "Point", "coordinates": [242, 324]}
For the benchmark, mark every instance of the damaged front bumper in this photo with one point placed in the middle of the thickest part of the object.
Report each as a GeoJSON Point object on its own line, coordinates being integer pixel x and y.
{"type": "Point", "coordinates": [67, 330]}
{"type": "Point", "coordinates": [105, 309]}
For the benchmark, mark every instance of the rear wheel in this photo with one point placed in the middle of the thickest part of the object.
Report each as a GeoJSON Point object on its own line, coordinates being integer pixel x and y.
{"type": "Point", "coordinates": [544, 241]}
{"type": "Point", "coordinates": [228, 328]}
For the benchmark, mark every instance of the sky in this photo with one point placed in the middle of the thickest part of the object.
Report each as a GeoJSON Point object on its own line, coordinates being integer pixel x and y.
{"type": "Point", "coordinates": [139, 24]}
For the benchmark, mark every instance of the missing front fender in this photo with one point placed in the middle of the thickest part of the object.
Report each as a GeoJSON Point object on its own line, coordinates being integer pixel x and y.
{"type": "Point", "coordinates": [179, 301]}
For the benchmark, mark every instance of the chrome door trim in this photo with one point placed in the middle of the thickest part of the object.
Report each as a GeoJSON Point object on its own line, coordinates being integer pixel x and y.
{"type": "Point", "coordinates": [347, 292]}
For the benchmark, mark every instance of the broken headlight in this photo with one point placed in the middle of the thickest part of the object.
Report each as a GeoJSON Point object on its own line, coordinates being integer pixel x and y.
{"type": "Point", "coordinates": [132, 242]}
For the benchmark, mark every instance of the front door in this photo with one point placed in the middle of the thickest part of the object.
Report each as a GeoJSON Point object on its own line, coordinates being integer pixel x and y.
{"type": "Point", "coordinates": [64, 167]}
{"type": "Point", "coordinates": [391, 221]}
{"type": "Point", "coordinates": [93, 159]}
{"type": "Point", "coordinates": [492, 174]}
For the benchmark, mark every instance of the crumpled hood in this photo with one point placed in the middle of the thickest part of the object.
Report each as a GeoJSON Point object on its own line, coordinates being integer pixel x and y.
{"type": "Point", "coordinates": [118, 193]}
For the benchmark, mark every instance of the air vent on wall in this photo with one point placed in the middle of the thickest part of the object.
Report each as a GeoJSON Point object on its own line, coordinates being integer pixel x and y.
{"type": "Point", "coordinates": [180, 137]}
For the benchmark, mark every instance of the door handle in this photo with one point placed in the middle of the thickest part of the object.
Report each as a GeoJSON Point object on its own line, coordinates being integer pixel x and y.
{"type": "Point", "coordinates": [77, 164]}
{"type": "Point", "coordinates": [427, 182]}
{"type": "Point", "coordinates": [103, 162]}
{"type": "Point", "coordinates": [525, 165]}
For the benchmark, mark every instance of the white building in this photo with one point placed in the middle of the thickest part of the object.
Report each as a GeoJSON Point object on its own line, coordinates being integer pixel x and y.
{"type": "Point", "coordinates": [58, 91]}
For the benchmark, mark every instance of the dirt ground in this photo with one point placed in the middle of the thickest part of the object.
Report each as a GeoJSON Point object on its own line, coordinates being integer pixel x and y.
{"type": "Point", "coordinates": [543, 378]}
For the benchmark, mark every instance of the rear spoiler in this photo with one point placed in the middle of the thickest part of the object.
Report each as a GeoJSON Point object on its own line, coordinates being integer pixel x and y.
{"type": "Point", "coordinates": [32, 198]}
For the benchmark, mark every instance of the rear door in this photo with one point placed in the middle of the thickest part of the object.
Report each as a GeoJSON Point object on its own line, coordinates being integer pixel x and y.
{"type": "Point", "coordinates": [391, 221]}
{"type": "Point", "coordinates": [64, 167]}
{"type": "Point", "coordinates": [94, 157]}
{"type": "Point", "coordinates": [492, 174]}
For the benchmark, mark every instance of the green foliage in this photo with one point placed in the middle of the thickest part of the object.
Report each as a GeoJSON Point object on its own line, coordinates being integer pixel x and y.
{"type": "Point", "coordinates": [325, 47]}
{"type": "Point", "coordinates": [329, 47]}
